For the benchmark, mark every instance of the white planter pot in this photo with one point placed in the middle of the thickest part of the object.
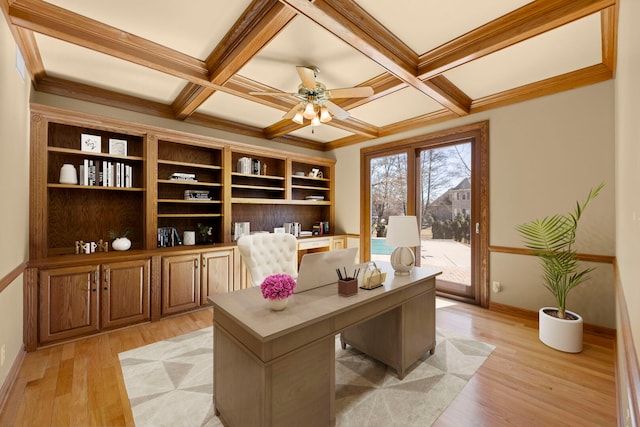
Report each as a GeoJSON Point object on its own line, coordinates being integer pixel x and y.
{"type": "Point", "coordinates": [561, 334]}
{"type": "Point", "coordinates": [121, 244]}
{"type": "Point", "coordinates": [278, 304]}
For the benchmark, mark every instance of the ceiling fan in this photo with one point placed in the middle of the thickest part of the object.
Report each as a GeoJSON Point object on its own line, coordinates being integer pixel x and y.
{"type": "Point", "coordinates": [315, 104]}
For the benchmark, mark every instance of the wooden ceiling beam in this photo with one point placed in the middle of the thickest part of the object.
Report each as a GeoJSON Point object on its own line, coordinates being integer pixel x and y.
{"type": "Point", "coordinates": [59, 23]}
{"type": "Point", "coordinates": [352, 24]}
{"type": "Point", "coordinates": [241, 86]}
{"type": "Point", "coordinates": [259, 23]}
{"type": "Point", "coordinates": [528, 21]}
{"type": "Point", "coordinates": [574, 79]}
{"type": "Point", "coordinates": [280, 128]}
{"type": "Point", "coordinates": [69, 89]}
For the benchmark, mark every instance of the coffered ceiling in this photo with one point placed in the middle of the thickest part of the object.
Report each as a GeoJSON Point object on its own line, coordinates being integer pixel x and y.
{"type": "Point", "coordinates": [426, 60]}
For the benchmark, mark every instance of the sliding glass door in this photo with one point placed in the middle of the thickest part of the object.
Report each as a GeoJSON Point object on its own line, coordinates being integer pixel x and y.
{"type": "Point", "coordinates": [445, 215]}
{"type": "Point", "coordinates": [443, 181]}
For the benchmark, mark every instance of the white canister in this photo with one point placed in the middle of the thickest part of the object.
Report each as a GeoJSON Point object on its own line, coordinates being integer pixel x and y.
{"type": "Point", "coordinates": [189, 238]}
{"type": "Point", "coordinates": [68, 174]}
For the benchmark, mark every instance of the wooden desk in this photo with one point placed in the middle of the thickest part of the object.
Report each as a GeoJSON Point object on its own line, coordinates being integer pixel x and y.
{"type": "Point", "coordinates": [278, 368]}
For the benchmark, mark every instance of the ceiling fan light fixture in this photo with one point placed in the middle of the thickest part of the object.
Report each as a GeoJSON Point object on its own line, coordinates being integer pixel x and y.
{"type": "Point", "coordinates": [324, 115]}
{"type": "Point", "coordinates": [298, 118]}
{"type": "Point", "coordinates": [309, 111]}
{"type": "Point", "coordinates": [315, 121]}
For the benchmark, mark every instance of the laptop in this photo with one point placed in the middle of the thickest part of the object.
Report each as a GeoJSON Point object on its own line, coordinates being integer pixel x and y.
{"type": "Point", "coordinates": [319, 268]}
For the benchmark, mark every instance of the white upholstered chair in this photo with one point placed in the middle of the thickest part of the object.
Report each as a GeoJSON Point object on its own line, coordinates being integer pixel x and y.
{"type": "Point", "coordinates": [269, 253]}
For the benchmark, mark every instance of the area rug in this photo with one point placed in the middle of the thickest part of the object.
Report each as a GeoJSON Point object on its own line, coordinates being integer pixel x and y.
{"type": "Point", "coordinates": [170, 383]}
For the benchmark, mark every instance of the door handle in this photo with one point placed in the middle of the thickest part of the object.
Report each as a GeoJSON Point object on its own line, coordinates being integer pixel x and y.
{"type": "Point", "coordinates": [477, 228]}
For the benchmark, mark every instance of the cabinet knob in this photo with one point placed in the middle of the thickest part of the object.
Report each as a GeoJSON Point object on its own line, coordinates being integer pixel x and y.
{"type": "Point", "coordinates": [195, 263]}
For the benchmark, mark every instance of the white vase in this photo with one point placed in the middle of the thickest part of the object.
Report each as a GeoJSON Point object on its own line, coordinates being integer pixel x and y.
{"type": "Point", "coordinates": [278, 304]}
{"type": "Point", "coordinates": [561, 334]}
{"type": "Point", "coordinates": [121, 244]}
{"type": "Point", "coordinates": [68, 174]}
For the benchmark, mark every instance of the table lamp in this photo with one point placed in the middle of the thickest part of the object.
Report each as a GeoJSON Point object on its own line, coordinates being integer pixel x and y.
{"type": "Point", "coordinates": [402, 232]}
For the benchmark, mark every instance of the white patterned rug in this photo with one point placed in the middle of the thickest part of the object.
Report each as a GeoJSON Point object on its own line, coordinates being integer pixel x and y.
{"type": "Point", "coordinates": [170, 383]}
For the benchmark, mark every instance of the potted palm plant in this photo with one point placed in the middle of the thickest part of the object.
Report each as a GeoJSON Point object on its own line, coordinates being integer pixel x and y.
{"type": "Point", "coordinates": [552, 240]}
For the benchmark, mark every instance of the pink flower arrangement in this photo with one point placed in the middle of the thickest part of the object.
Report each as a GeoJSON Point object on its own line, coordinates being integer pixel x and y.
{"type": "Point", "coordinates": [277, 286]}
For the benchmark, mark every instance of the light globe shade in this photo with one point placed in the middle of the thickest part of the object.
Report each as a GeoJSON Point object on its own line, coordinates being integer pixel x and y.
{"type": "Point", "coordinates": [325, 117]}
{"type": "Point", "coordinates": [309, 111]}
{"type": "Point", "coordinates": [298, 118]}
{"type": "Point", "coordinates": [402, 232]}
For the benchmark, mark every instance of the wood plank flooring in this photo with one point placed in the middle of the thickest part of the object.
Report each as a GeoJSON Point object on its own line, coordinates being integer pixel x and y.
{"type": "Point", "coordinates": [523, 383]}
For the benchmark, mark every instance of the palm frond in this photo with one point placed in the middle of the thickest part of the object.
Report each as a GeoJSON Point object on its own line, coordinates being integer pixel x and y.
{"type": "Point", "coordinates": [552, 239]}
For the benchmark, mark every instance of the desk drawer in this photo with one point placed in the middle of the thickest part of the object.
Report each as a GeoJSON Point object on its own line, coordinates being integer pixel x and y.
{"type": "Point", "coordinates": [315, 243]}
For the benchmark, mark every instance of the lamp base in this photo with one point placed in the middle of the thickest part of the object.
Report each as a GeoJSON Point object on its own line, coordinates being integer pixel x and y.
{"type": "Point", "coordinates": [402, 261]}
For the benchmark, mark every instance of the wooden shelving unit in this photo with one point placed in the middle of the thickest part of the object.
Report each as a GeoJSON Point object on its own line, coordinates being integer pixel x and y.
{"type": "Point", "coordinates": [147, 282]}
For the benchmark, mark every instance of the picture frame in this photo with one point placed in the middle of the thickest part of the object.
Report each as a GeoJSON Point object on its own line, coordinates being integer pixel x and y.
{"type": "Point", "coordinates": [90, 143]}
{"type": "Point", "coordinates": [118, 146]}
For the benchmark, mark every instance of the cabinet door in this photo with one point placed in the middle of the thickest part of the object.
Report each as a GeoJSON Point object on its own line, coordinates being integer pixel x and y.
{"type": "Point", "coordinates": [125, 293]}
{"type": "Point", "coordinates": [68, 302]}
{"type": "Point", "coordinates": [180, 283]}
{"type": "Point", "coordinates": [217, 273]}
{"type": "Point", "coordinates": [339, 242]}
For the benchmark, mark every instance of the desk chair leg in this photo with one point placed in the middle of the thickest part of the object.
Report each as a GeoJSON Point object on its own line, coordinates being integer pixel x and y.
{"type": "Point", "coordinates": [342, 343]}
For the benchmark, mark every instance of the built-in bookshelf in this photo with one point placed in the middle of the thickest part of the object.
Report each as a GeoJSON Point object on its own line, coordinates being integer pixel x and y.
{"type": "Point", "coordinates": [85, 196]}
{"type": "Point", "coordinates": [190, 191]}
{"type": "Point", "coordinates": [155, 182]}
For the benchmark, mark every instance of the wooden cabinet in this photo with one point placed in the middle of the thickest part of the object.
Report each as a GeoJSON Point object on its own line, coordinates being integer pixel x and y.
{"type": "Point", "coordinates": [77, 301]}
{"type": "Point", "coordinates": [189, 279]}
{"type": "Point", "coordinates": [68, 302]}
{"type": "Point", "coordinates": [168, 180]}
{"type": "Point", "coordinates": [338, 242]}
{"type": "Point", "coordinates": [180, 283]}
{"type": "Point", "coordinates": [218, 272]}
{"type": "Point", "coordinates": [125, 298]}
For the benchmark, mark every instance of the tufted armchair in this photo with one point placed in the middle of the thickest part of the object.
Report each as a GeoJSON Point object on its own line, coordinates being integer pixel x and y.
{"type": "Point", "coordinates": [266, 253]}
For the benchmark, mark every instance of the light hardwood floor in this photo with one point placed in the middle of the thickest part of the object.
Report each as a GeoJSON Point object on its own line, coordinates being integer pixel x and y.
{"type": "Point", "coordinates": [523, 382]}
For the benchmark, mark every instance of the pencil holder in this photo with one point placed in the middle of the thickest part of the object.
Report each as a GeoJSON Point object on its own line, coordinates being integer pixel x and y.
{"type": "Point", "coordinates": [347, 288]}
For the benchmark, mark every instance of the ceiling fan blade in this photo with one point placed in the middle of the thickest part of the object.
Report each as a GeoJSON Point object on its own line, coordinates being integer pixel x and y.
{"type": "Point", "coordinates": [272, 93]}
{"type": "Point", "coordinates": [352, 92]}
{"type": "Point", "coordinates": [292, 112]}
{"type": "Point", "coordinates": [336, 111]}
{"type": "Point", "coordinates": [308, 76]}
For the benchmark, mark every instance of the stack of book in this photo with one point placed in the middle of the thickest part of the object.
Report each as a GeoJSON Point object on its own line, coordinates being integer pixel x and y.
{"type": "Point", "coordinates": [168, 237]}
{"type": "Point", "coordinates": [106, 174]}
{"type": "Point", "coordinates": [196, 195]}
{"type": "Point", "coordinates": [177, 176]}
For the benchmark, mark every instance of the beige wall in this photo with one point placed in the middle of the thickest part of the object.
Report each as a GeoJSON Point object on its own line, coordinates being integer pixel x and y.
{"type": "Point", "coordinates": [627, 170]}
{"type": "Point", "coordinates": [544, 155]}
{"type": "Point", "coordinates": [14, 190]}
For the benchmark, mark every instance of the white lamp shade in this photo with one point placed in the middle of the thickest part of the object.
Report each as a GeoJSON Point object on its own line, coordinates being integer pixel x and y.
{"type": "Point", "coordinates": [324, 115]}
{"type": "Point", "coordinates": [309, 111]}
{"type": "Point", "coordinates": [403, 231]}
{"type": "Point", "coordinates": [298, 118]}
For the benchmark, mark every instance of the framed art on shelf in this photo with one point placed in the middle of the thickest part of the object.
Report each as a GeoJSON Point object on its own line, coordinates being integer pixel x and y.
{"type": "Point", "coordinates": [91, 143]}
{"type": "Point", "coordinates": [118, 146]}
